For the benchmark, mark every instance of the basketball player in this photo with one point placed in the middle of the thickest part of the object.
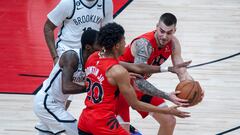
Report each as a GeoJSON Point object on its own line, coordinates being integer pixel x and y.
{"type": "Point", "coordinates": [66, 78]}
{"type": "Point", "coordinates": [154, 48]}
{"type": "Point", "coordinates": [105, 79]}
{"type": "Point", "coordinates": [59, 85]}
{"type": "Point", "coordinates": [73, 17]}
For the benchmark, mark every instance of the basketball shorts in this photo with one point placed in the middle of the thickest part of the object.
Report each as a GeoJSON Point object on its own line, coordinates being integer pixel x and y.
{"type": "Point", "coordinates": [99, 122]}
{"type": "Point", "coordinates": [123, 114]}
{"type": "Point", "coordinates": [53, 118]}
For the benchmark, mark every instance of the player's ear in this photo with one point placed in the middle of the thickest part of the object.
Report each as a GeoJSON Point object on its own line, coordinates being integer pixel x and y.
{"type": "Point", "coordinates": [117, 45]}
{"type": "Point", "coordinates": [175, 29]}
{"type": "Point", "coordinates": [88, 47]}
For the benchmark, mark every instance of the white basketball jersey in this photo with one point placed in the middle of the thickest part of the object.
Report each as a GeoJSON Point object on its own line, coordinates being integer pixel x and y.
{"type": "Point", "coordinates": [53, 85]}
{"type": "Point", "coordinates": [82, 17]}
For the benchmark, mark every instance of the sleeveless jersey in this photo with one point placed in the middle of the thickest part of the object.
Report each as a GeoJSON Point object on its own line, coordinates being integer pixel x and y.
{"type": "Point", "coordinates": [157, 57]}
{"type": "Point", "coordinates": [101, 95]}
{"type": "Point", "coordinates": [53, 84]}
{"type": "Point", "coordinates": [73, 22]}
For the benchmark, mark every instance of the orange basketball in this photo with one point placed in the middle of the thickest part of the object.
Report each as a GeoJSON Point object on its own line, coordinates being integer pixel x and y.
{"type": "Point", "coordinates": [190, 90]}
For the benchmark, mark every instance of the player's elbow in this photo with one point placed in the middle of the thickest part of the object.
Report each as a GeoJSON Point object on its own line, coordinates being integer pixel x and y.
{"type": "Point", "coordinates": [47, 29]}
{"type": "Point", "coordinates": [65, 90]}
{"type": "Point", "coordinates": [135, 105]}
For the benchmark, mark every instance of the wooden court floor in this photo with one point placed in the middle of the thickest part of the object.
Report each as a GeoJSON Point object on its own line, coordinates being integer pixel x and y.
{"type": "Point", "coordinates": [208, 30]}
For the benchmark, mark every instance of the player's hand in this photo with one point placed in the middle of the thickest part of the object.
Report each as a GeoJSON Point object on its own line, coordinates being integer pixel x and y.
{"type": "Point", "coordinates": [202, 96]}
{"type": "Point", "coordinates": [178, 101]}
{"type": "Point", "coordinates": [181, 114]}
{"type": "Point", "coordinates": [176, 68]}
{"type": "Point", "coordinates": [134, 75]}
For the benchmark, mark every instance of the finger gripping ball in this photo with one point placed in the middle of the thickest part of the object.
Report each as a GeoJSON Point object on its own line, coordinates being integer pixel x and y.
{"type": "Point", "coordinates": [190, 90]}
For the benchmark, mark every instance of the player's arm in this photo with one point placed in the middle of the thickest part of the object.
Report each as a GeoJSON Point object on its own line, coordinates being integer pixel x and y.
{"type": "Point", "coordinates": [177, 58]}
{"type": "Point", "coordinates": [122, 80]}
{"type": "Point", "coordinates": [150, 69]}
{"type": "Point", "coordinates": [69, 63]}
{"type": "Point", "coordinates": [142, 50]}
{"type": "Point", "coordinates": [55, 18]}
{"type": "Point", "coordinates": [108, 12]}
{"type": "Point", "coordinates": [49, 28]}
{"type": "Point", "coordinates": [147, 88]}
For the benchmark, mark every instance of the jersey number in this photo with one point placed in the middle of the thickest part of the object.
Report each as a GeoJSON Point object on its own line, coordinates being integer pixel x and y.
{"type": "Point", "coordinates": [158, 60]}
{"type": "Point", "coordinates": [94, 91]}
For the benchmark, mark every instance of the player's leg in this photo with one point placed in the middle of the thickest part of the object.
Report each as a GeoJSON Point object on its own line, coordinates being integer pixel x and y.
{"type": "Point", "coordinates": [44, 117]}
{"type": "Point", "coordinates": [70, 128]}
{"type": "Point", "coordinates": [54, 116]}
{"type": "Point", "coordinates": [42, 129]}
{"type": "Point", "coordinates": [167, 122]}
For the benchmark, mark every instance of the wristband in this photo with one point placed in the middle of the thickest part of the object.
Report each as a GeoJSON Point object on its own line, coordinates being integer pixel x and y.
{"type": "Point", "coordinates": [163, 69]}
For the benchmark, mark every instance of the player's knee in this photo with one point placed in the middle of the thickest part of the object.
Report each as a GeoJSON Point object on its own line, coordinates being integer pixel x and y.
{"type": "Point", "coordinates": [165, 120]}
{"type": "Point", "coordinates": [171, 121]}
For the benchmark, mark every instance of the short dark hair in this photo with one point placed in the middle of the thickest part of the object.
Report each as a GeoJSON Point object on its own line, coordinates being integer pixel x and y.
{"type": "Point", "coordinates": [110, 35]}
{"type": "Point", "coordinates": [168, 19]}
{"type": "Point", "coordinates": [89, 37]}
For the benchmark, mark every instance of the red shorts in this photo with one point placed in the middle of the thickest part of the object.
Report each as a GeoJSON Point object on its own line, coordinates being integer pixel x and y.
{"type": "Point", "coordinates": [123, 107]}
{"type": "Point", "coordinates": [100, 122]}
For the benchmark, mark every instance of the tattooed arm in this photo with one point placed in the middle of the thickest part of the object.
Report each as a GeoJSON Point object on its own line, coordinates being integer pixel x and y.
{"type": "Point", "coordinates": [151, 90]}
{"type": "Point", "coordinates": [142, 50]}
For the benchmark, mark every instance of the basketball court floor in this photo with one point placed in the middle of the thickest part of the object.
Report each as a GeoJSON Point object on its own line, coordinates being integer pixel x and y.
{"type": "Point", "coordinates": [209, 32]}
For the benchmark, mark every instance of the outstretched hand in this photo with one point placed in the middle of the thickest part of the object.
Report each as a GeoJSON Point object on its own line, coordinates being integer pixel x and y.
{"type": "Point", "coordinates": [178, 101]}
{"type": "Point", "coordinates": [181, 114]}
{"type": "Point", "coordinates": [135, 75]}
{"type": "Point", "coordinates": [176, 68]}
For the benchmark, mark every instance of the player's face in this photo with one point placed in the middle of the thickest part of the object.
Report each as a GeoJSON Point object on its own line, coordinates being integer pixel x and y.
{"type": "Point", "coordinates": [92, 48]}
{"type": "Point", "coordinates": [164, 33]}
{"type": "Point", "coordinates": [96, 47]}
{"type": "Point", "coordinates": [122, 44]}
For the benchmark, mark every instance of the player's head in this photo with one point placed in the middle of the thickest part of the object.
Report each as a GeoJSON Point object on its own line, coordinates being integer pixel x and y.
{"type": "Point", "coordinates": [111, 38]}
{"type": "Point", "coordinates": [166, 27]}
{"type": "Point", "coordinates": [89, 41]}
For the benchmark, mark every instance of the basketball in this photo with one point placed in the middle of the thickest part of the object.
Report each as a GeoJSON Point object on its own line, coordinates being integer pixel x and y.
{"type": "Point", "coordinates": [190, 90]}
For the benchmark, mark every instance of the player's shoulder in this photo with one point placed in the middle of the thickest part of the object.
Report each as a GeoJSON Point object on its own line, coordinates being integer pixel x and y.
{"type": "Point", "coordinates": [117, 70]}
{"type": "Point", "coordinates": [67, 3]}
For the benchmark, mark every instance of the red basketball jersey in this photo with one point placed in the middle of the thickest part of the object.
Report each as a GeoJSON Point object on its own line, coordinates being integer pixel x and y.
{"type": "Point", "coordinates": [100, 93]}
{"type": "Point", "coordinates": [157, 57]}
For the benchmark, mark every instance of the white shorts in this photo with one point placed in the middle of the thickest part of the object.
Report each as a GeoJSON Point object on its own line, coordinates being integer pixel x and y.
{"type": "Point", "coordinates": [53, 116]}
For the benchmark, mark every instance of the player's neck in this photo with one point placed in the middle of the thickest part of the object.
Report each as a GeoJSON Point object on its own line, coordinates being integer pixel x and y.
{"type": "Point", "coordinates": [107, 54]}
